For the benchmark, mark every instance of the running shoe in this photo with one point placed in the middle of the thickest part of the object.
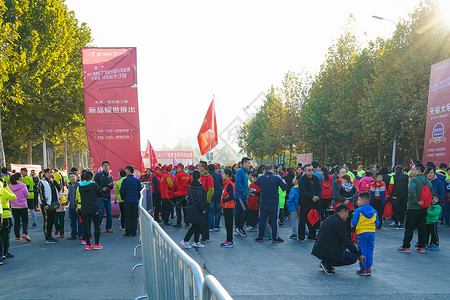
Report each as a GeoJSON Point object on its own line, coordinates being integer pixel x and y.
{"type": "Point", "coordinates": [18, 240]}
{"type": "Point", "coordinates": [49, 241]}
{"type": "Point", "coordinates": [34, 226]}
{"type": "Point", "coordinates": [421, 250]}
{"type": "Point", "coordinates": [185, 244]}
{"type": "Point", "coordinates": [259, 240]}
{"type": "Point", "coordinates": [89, 247]}
{"type": "Point", "coordinates": [98, 247]}
{"type": "Point", "coordinates": [198, 245]}
{"type": "Point", "coordinates": [217, 229]}
{"type": "Point", "coordinates": [327, 270]}
{"type": "Point", "coordinates": [26, 237]}
{"type": "Point", "coordinates": [403, 250]}
{"type": "Point", "coordinates": [434, 248]}
{"type": "Point", "coordinates": [83, 242]}
{"type": "Point", "coordinates": [56, 232]}
{"type": "Point", "coordinates": [61, 236]}
{"type": "Point", "coordinates": [293, 236]}
{"type": "Point", "coordinates": [227, 244]}
{"type": "Point", "coordinates": [1, 261]}
{"type": "Point", "coordinates": [363, 273]}
{"type": "Point", "coordinates": [278, 240]}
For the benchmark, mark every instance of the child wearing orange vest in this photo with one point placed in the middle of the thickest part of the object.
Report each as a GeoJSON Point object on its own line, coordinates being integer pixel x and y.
{"type": "Point", "coordinates": [227, 204]}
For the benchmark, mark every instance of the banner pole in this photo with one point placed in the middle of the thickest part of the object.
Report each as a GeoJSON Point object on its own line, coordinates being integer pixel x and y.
{"type": "Point", "coordinates": [212, 126]}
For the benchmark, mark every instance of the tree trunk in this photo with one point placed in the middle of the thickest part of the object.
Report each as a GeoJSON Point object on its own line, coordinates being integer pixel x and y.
{"type": "Point", "coordinates": [379, 151]}
{"type": "Point", "coordinates": [417, 148]}
{"type": "Point", "coordinates": [54, 156]}
{"type": "Point", "coordinates": [2, 150]}
{"type": "Point", "coordinates": [326, 155]}
{"type": "Point", "coordinates": [290, 156]}
{"type": "Point", "coordinates": [30, 152]}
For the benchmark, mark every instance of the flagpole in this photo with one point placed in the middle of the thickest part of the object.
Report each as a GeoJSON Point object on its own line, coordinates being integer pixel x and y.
{"type": "Point", "coordinates": [212, 126]}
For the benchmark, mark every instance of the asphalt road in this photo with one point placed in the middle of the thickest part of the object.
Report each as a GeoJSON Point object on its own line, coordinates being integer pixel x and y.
{"type": "Point", "coordinates": [248, 271]}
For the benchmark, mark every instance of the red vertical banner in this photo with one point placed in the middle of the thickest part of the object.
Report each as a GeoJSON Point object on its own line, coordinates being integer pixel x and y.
{"type": "Point", "coordinates": [111, 107]}
{"type": "Point", "coordinates": [437, 135]}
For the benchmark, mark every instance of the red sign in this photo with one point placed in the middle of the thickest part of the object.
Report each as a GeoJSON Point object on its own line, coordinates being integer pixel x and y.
{"type": "Point", "coordinates": [437, 145]}
{"type": "Point", "coordinates": [174, 154]}
{"type": "Point", "coordinates": [305, 158]}
{"type": "Point", "coordinates": [111, 107]}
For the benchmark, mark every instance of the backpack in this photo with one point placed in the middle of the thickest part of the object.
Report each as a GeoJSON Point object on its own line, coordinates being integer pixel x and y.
{"type": "Point", "coordinates": [425, 196]}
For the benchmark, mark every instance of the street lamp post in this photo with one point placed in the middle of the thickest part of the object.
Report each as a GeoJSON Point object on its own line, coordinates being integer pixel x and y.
{"type": "Point", "coordinates": [381, 18]}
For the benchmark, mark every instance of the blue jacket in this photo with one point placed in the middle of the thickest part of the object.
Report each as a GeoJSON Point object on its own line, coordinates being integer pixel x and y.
{"type": "Point", "coordinates": [218, 180]}
{"type": "Point", "coordinates": [365, 219]}
{"type": "Point", "coordinates": [241, 184]}
{"type": "Point", "coordinates": [438, 188]}
{"type": "Point", "coordinates": [269, 185]}
{"type": "Point", "coordinates": [318, 175]}
{"type": "Point", "coordinates": [292, 202]}
{"type": "Point", "coordinates": [130, 191]}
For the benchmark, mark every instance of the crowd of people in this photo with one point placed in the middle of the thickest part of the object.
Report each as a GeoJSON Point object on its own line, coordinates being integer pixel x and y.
{"type": "Point", "coordinates": [335, 207]}
{"type": "Point", "coordinates": [86, 196]}
{"type": "Point", "coordinates": [351, 204]}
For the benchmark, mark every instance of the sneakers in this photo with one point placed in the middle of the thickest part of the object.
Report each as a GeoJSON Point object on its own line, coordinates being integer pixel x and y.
{"type": "Point", "coordinates": [185, 244]}
{"type": "Point", "coordinates": [83, 242]}
{"type": "Point", "coordinates": [18, 240]}
{"type": "Point", "coordinates": [109, 230]}
{"type": "Point", "coordinates": [327, 270]}
{"type": "Point", "coordinates": [204, 241]}
{"type": "Point", "coordinates": [217, 229]}
{"type": "Point", "coordinates": [278, 240]}
{"type": "Point", "coordinates": [1, 261]}
{"type": "Point", "coordinates": [259, 240]}
{"type": "Point", "coordinates": [403, 250]}
{"type": "Point", "coordinates": [34, 226]}
{"type": "Point", "coordinates": [268, 238]}
{"type": "Point", "coordinates": [9, 255]}
{"type": "Point", "coordinates": [293, 237]}
{"type": "Point", "coordinates": [89, 247]}
{"type": "Point", "coordinates": [26, 237]}
{"type": "Point", "coordinates": [434, 248]}
{"type": "Point", "coordinates": [240, 231]}
{"type": "Point", "coordinates": [421, 250]}
{"type": "Point", "coordinates": [393, 224]}
{"type": "Point", "coordinates": [211, 230]}
{"type": "Point", "coordinates": [98, 247]}
{"type": "Point", "coordinates": [198, 245]}
{"type": "Point", "coordinates": [56, 232]}
{"type": "Point", "coordinates": [363, 273]}
{"type": "Point", "coordinates": [227, 244]}
{"type": "Point", "coordinates": [50, 241]}
{"type": "Point", "coordinates": [301, 240]}
{"type": "Point", "coordinates": [252, 229]}
{"type": "Point", "coordinates": [61, 236]}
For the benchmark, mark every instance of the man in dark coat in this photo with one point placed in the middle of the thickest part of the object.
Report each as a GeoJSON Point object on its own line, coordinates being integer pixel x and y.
{"type": "Point", "coordinates": [332, 241]}
{"type": "Point", "coordinates": [310, 193]}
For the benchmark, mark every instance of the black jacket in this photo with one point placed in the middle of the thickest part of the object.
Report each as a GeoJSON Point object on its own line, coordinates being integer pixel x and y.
{"type": "Point", "coordinates": [333, 239]}
{"type": "Point", "coordinates": [89, 193]}
{"type": "Point", "coordinates": [196, 203]}
{"type": "Point", "coordinates": [104, 180]}
{"type": "Point", "coordinates": [307, 193]}
{"type": "Point", "coordinates": [400, 189]}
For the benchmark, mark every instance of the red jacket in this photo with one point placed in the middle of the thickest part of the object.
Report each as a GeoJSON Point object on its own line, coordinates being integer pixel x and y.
{"type": "Point", "coordinates": [326, 187]}
{"type": "Point", "coordinates": [208, 184]}
{"type": "Point", "coordinates": [253, 197]}
{"type": "Point", "coordinates": [183, 180]}
{"type": "Point", "coordinates": [225, 196]}
{"type": "Point", "coordinates": [168, 184]}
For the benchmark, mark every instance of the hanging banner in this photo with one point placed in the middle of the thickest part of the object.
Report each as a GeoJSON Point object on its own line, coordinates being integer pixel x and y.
{"type": "Point", "coordinates": [437, 131]}
{"type": "Point", "coordinates": [111, 107]}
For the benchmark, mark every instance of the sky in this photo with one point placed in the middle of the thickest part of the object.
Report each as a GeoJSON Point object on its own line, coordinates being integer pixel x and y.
{"type": "Point", "coordinates": [189, 51]}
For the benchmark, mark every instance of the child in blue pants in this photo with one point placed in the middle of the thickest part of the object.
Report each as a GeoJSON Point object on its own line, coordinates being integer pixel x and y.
{"type": "Point", "coordinates": [366, 220]}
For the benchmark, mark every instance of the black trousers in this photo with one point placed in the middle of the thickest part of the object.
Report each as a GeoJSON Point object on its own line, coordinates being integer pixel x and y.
{"type": "Point", "coordinates": [167, 209]}
{"type": "Point", "coordinates": [131, 217]}
{"type": "Point", "coordinates": [323, 205]}
{"type": "Point", "coordinates": [253, 217]}
{"type": "Point", "coordinates": [303, 219]}
{"type": "Point", "coordinates": [4, 234]}
{"type": "Point", "coordinates": [432, 230]}
{"type": "Point", "coordinates": [242, 212]}
{"type": "Point", "coordinates": [157, 205]}
{"type": "Point", "coordinates": [122, 215]}
{"type": "Point", "coordinates": [193, 230]}
{"type": "Point", "coordinates": [20, 214]}
{"type": "Point", "coordinates": [415, 218]}
{"type": "Point", "coordinates": [399, 207]}
{"type": "Point", "coordinates": [49, 219]}
{"type": "Point", "coordinates": [88, 219]}
{"type": "Point", "coordinates": [205, 226]}
{"type": "Point", "coordinates": [180, 204]}
{"type": "Point", "coordinates": [228, 216]}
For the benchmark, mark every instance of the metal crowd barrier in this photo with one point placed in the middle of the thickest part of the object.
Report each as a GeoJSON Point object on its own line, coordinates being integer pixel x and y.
{"type": "Point", "coordinates": [169, 273]}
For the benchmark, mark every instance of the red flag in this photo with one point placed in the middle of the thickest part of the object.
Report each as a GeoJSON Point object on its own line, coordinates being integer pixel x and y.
{"type": "Point", "coordinates": [65, 165]}
{"type": "Point", "coordinates": [411, 163]}
{"type": "Point", "coordinates": [142, 166]}
{"type": "Point", "coordinates": [150, 153]}
{"type": "Point", "coordinates": [207, 136]}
